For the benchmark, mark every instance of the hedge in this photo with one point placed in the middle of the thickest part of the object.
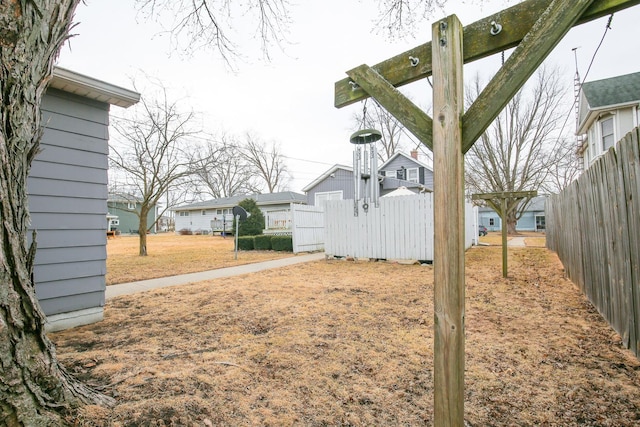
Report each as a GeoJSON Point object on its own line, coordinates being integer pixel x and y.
{"type": "Point", "coordinates": [282, 243]}
{"type": "Point", "coordinates": [245, 243]}
{"type": "Point", "coordinates": [262, 243]}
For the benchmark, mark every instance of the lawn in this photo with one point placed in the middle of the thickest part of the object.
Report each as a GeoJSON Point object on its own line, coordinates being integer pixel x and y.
{"type": "Point", "coordinates": [335, 342]}
{"type": "Point", "coordinates": [171, 254]}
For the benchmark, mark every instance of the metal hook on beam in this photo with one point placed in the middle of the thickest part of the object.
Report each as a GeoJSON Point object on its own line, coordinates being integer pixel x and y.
{"type": "Point", "coordinates": [414, 61]}
{"type": "Point", "coordinates": [495, 28]}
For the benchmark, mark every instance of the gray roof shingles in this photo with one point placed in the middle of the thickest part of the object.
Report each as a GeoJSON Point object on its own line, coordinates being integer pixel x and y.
{"type": "Point", "coordinates": [613, 91]}
{"type": "Point", "coordinates": [261, 199]}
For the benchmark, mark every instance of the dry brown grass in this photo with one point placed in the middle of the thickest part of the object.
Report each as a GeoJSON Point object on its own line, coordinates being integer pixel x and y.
{"type": "Point", "coordinates": [341, 343]}
{"type": "Point", "coordinates": [171, 254]}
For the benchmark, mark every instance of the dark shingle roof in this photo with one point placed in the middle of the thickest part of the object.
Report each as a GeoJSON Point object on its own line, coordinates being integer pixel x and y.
{"type": "Point", "coordinates": [261, 199]}
{"type": "Point", "coordinates": [612, 91]}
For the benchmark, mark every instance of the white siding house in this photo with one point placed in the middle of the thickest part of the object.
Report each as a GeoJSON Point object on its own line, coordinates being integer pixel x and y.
{"type": "Point", "coordinates": [608, 110]}
{"type": "Point", "coordinates": [215, 215]}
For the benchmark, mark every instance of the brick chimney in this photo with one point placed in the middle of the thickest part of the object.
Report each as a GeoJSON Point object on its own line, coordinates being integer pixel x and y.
{"type": "Point", "coordinates": [414, 154]}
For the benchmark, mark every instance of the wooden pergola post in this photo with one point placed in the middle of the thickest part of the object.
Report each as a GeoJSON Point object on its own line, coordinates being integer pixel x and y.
{"type": "Point", "coordinates": [535, 26]}
{"type": "Point", "coordinates": [448, 181]}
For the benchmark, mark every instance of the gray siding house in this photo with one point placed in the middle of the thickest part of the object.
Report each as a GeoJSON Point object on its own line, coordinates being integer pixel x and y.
{"type": "Point", "coordinates": [400, 170]}
{"type": "Point", "coordinates": [67, 188]}
{"type": "Point", "coordinates": [608, 110]}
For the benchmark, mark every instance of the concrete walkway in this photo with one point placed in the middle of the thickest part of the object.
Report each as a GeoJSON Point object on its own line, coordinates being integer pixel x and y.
{"type": "Point", "coordinates": [183, 279]}
{"type": "Point", "coordinates": [516, 242]}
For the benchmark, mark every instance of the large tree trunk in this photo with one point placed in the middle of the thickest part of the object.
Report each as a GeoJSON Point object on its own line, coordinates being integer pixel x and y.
{"type": "Point", "coordinates": [34, 389]}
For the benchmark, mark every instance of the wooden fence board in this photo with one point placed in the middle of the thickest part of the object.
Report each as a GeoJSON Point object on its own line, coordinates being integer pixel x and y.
{"type": "Point", "coordinates": [594, 227]}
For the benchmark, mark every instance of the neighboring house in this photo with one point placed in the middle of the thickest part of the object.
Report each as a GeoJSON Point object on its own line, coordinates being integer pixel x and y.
{"type": "Point", "coordinates": [67, 187]}
{"type": "Point", "coordinates": [533, 218]}
{"type": "Point", "coordinates": [216, 216]}
{"type": "Point", "coordinates": [400, 170]}
{"type": "Point", "coordinates": [608, 110]}
{"type": "Point", "coordinates": [124, 208]}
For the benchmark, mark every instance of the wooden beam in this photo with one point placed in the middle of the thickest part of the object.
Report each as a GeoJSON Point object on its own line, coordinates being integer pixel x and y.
{"type": "Point", "coordinates": [547, 32]}
{"type": "Point", "coordinates": [478, 42]}
{"type": "Point", "coordinates": [406, 112]}
{"type": "Point", "coordinates": [448, 170]}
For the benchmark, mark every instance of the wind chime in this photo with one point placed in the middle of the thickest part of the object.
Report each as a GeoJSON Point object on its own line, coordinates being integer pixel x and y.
{"type": "Point", "coordinates": [365, 166]}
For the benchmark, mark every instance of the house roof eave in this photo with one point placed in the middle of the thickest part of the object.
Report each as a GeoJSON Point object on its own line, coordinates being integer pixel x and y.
{"type": "Point", "coordinates": [80, 84]}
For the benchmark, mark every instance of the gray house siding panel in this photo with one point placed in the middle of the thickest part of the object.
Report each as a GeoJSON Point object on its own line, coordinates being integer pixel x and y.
{"type": "Point", "coordinates": [71, 156]}
{"type": "Point", "coordinates": [74, 189]}
{"type": "Point", "coordinates": [79, 173]}
{"type": "Point", "coordinates": [71, 238]}
{"type": "Point", "coordinates": [74, 106]}
{"type": "Point", "coordinates": [67, 198]}
{"type": "Point", "coordinates": [426, 177]}
{"type": "Point", "coordinates": [84, 285]}
{"type": "Point", "coordinates": [69, 255]}
{"type": "Point", "coordinates": [66, 205]}
{"type": "Point", "coordinates": [62, 221]}
{"type": "Point", "coordinates": [342, 181]}
{"type": "Point", "coordinates": [59, 138]}
{"type": "Point", "coordinates": [74, 302]}
{"type": "Point", "coordinates": [61, 271]}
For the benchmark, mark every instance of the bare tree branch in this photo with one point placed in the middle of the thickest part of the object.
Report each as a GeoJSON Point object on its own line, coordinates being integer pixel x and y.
{"type": "Point", "coordinates": [519, 151]}
{"type": "Point", "coordinates": [153, 155]}
{"type": "Point", "coordinates": [267, 163]}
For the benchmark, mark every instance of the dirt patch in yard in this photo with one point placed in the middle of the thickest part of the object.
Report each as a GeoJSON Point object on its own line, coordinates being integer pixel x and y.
{"type": "Point", "coordinates": [339, 343]}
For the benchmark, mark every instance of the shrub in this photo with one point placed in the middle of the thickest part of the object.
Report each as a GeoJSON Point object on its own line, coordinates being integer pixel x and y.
{"type": "Point", "coordinates": [282, 243]}
{"type": "Point", "coordinates": [185, 232]}
{"type": "Point", "coordinates": [245, 243]}
{"type": "Point", "coordinates": [262, 242]}
{"type": "Point", "coordinates": [254, 225]}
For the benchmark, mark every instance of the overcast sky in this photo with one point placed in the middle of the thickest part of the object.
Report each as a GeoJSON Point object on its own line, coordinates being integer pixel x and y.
{"type": "Point", "coordinates": [290, 98]}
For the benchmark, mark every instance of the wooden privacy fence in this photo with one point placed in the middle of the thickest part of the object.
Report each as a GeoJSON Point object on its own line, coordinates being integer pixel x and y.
{"type": "Point", "coordinates": [400, 228]}
{"type": "Point", "coordinates": [594, 226]}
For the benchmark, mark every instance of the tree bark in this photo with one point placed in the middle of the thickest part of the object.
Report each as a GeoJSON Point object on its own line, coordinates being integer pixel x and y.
{"type": "Point", "coordinates": [35, 390]}
{"type": "Point", "coordinates": [142, 232]}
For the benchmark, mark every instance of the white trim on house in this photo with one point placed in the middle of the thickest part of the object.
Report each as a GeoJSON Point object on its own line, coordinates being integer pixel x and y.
{"type": "Point", "coordinates": [330, 195]}
{"type": "Point", "coordinates": [88, 87]}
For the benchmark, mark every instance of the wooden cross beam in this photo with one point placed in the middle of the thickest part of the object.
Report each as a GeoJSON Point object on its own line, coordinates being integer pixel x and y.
{"type": "Point", "coordinates": [498, 202]}
{"type": "Point", "coordinates": [536, 26]}
{"type": "Point", "coordinates": [478, 43]}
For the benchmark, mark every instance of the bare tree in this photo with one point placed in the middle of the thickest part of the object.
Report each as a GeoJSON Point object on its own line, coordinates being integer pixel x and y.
{"type": "Point", "coordinates": [565, 167]}
{"type": "Point", "coordinates": [206, 24]}
{"type": "Point", "coordinates": [518, 151]}
{"type": "Point", "coordinates": [223, 170]}
{"type": "Point", "coordinates": [267, 163]}
{"type": "Point", "coordinates": [35, 388]}
{"type": "Point", "coordinates": [153, 156]}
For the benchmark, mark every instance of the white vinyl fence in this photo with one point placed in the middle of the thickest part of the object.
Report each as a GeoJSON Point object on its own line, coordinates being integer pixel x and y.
{"type": "Point", "coordinates": [307, 228]}
{"type": "Point", "coordinates": [400, 228]}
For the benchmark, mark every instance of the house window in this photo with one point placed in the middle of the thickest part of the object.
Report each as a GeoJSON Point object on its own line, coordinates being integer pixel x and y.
{"type": "Point", "coordinates": [390, 174]}
{"type": "Point", "coordinates": [184, 213]}
{"type": "Point", "coordinates": [204, 212]}
{"type": "Point", "coordinates": [131, 206]}
{"type": "Point", "coordinates": [412, 175]}
{"type": "Point", "coordinates": [322, 197]}
{"type": "Point", "coordinates": [492, 222]}
{"type": "Point", "coordinates": [606, 126]}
